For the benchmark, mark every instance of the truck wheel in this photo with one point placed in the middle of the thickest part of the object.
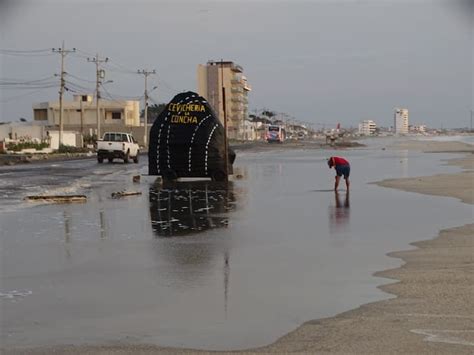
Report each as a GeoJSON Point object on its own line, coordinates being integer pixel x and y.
{"type": "Point", "coordinates": [125, 158]}
{"type": "Point", "coordinates": [218, 175]}
{"type": "Point", "coordinates": [100, 160]}
{"type": "Point", "coordinates": [169, 175]}
{"type": "Point", "coordinates": [111, 160]}
{"type": "Point", "coordinates": [135, 159]}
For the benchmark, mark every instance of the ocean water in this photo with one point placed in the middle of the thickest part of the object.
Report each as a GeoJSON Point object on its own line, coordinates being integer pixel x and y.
{"type": "Point", "coordinates": [461, 138]}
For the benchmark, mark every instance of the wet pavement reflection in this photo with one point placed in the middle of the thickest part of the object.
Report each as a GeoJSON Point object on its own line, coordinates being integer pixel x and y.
{"type": "Point", "coordinates": [339, 212]}
{"type": "Point", "coordinates": [185, 208]}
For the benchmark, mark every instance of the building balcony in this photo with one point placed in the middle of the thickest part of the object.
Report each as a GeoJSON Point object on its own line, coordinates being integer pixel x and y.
{"type": "Point", "coordinates": [237, 68]}
{"type": "Point", "coordinates": [237, 107]}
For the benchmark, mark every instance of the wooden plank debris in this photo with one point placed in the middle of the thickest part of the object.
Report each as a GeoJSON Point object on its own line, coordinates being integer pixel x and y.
{"type": "Point", "coordinates": [125, 193]}
{"type": "Point", "coordinates": [57, 198]}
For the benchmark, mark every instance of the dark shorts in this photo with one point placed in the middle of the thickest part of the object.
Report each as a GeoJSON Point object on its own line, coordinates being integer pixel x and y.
{"type": "Point", "coordinates": [343, 170]}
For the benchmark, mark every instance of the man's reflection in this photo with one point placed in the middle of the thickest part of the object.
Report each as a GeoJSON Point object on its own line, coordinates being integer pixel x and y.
{"type": "Point", "coordinates": [183, 208]}
{"type": "Point", "coordinates": [340, 213]}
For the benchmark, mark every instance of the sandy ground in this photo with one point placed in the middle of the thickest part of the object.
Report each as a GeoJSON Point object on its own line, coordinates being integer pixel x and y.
{"type": "Point", "coordinates": [432, 313]}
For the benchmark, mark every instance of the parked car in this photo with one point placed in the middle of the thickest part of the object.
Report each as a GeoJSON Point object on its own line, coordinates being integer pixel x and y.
{"type": "Point", "coordinates": [116, 145]}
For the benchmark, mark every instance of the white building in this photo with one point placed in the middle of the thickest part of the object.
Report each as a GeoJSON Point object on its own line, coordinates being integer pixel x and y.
{"type": "Point", "coordinates": [36, 133]}
{"type": "Point", "coordinates": [81, 114]}
{"type": "Point", "coordinates": [418, 128]}
{"type": "Point", "coordinates": [400, 121]}
{"type": "Point", "coordinates": [367, 127]}
{"type": "Point", "coordinates": [249, 130]}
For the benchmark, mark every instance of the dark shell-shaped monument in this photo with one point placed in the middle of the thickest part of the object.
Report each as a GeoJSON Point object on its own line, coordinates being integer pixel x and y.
{"type": "Point", "coordinates": [187, 140]}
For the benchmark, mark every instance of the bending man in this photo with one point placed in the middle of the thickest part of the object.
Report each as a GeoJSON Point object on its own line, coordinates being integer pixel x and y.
{"type": "Point", "coordinates": [342, 168]}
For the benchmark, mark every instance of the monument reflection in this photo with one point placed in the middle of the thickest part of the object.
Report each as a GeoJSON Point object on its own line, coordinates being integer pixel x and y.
{"type": "Point", "coordinates": [184, 208]}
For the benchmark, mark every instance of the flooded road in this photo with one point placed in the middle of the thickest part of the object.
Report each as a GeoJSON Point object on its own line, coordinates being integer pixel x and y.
{"type": "Point", "coordinates": [205, 265]}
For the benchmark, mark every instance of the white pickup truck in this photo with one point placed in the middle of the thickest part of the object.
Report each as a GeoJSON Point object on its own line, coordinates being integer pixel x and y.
{"type": "Point", "coordinates": [117, 145]}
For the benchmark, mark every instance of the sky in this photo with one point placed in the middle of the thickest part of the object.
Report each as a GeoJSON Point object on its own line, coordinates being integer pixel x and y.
{"type": "Point", "coordinates": [321, 61]}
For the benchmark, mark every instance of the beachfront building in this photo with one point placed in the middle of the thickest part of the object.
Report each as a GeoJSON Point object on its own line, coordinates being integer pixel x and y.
{"type": "Point", "coordinates": [367, 127]}
{"type": "Point", "coordinates": [211, 78]}
{"type": "Point", "coordinates": [418, 128]}
{"type": "Point", "coordinates": [400, 121]}
{"type": "Point", "coordinates": [81, 114]}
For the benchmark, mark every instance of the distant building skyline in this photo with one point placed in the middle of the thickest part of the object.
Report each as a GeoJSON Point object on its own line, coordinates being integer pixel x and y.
{"type": "Point", "coordinates": [317, 61]}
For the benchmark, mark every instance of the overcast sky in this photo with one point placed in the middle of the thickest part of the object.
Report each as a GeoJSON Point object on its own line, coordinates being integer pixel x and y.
{"type": "Point", "coordinates": [322, 61]}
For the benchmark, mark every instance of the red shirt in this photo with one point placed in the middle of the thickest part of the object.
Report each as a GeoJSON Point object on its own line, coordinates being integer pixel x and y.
{"type": "Point", "coordinates": [339, 161]}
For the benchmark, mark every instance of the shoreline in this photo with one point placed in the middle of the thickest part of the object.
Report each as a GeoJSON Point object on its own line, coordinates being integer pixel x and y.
{"type": "Point", "coordinates": [430, 313]}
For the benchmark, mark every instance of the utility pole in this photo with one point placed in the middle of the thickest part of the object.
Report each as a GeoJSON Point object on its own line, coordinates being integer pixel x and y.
{"type": "Point", "coordinates": [63, 53]}
{"type": "Point", "coordinates": [100, 74]}
{"type": "Point", "coordinates": [146, 73]}
{"type": "Point", "coordinates": [226, 155]}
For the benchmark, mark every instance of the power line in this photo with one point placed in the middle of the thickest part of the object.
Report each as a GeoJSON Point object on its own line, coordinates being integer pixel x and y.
{"type": "Point", "coordinates": [26, 53]}
{"type": "Point", "coordinates": [85, 53]}
{"type": "Point", "coordinates": [78, 86]}
{"type": "Point", "coordinates": [156, 102]}
{"type": "Point", "coordinates": [121, 97]}
{"type": "Point", "coordinates": [11, 81]}
{"type": "Point", "coordinates": [118, 98]}
{"type": "Point", "coordinates": [168, 86]}
{"type": "Point", "coordinates": [79, 78]}
{"type": "Point", "coordinates": [121, 68]}
{"type": "Point", "coordinates": [29, 86]}
{"type": "Point", "coordinates": [13, 98]}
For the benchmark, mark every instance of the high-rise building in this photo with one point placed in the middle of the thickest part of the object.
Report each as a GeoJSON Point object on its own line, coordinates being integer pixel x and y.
{"type": "Point", "coordinates": [400, 121]}
{"type": "Point", "coordinates": [212, 77]}
{"type": "Point", "coordinates": [367, 127]}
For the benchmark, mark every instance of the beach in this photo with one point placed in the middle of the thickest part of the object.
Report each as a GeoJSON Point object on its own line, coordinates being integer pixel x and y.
{"type": "Point", "coordinates": [431, 311]}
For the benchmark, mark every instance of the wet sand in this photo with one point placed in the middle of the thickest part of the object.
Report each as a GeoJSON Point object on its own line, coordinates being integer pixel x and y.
{"type": "Point", "coordinates": [431, 313]}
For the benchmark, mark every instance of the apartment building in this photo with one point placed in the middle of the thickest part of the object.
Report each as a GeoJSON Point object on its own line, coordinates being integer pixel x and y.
{"type": "Point", "coordinates": [81, 114]}
{"type": "Point", "coordinates": [400, 121]}
{"type": "Point", "coordinates": [367, 127]}
{"type": "Point", "coordinates": [211, 78]}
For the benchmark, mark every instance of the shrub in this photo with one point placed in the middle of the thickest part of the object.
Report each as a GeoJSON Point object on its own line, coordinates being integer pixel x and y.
{"type": "Point", "coordinates": [71, 149]}
{"type": "Point", "coordinates": [89, 139]}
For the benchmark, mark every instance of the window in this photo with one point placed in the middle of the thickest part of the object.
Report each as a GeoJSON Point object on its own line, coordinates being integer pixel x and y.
{"type": "Point", "coordinates": [84, 98]}
{"type": "Point", "coordinates": [116, 115]}
{"type": "Point", "coordinates": [41, 114]}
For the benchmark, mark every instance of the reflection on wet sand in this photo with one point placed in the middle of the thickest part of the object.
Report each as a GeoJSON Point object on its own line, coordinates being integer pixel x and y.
{"type": "Point", "coordinates": [183, 208]}
{"type": "Point", "coordinates": [339, 214]}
